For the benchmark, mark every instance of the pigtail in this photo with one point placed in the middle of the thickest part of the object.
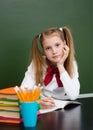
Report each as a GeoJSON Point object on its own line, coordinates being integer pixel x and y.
{"type": "Point", "coordinates": [69, 41]}
{"type": "Point", "coordinates": [37, 60]}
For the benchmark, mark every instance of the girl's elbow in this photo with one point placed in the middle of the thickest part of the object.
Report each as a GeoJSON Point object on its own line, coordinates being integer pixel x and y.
{"type": "Point", "coordinates": [74, 96]}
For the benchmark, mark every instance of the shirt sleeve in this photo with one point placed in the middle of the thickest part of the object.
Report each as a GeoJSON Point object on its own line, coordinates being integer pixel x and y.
{"type": "Point", "coordinates": [71, 85]}
{"type": "Point", "coordinates": [28, 81]}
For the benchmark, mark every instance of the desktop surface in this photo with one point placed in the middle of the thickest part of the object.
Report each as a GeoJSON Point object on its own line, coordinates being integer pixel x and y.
{"type": "Point", "coordinates": [75, 118]}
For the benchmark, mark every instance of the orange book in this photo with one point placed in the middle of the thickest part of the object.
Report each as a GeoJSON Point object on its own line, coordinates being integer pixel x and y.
{"type": "Point", "coordinates": [10, 121]}
{"type": "Point", "coordinates": [9, 91]}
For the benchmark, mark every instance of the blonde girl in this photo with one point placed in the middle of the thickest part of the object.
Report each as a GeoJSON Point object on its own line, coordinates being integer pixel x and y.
{"type": "Point", "coordinates": [53, 66]}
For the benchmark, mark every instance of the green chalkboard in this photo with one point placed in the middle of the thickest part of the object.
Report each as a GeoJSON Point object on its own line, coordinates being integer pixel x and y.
{"type": "Point", "coordinates": [20, 20]}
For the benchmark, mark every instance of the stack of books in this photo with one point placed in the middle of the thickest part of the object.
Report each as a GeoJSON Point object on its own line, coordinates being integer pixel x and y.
{"type": "Point", "coordinates": [9, 106]}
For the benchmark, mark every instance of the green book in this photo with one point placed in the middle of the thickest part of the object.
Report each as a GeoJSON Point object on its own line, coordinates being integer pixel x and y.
{"type": "Point", "coordinates": [8, 103]}
{"type": "Point", "coordinates": [8, 99]}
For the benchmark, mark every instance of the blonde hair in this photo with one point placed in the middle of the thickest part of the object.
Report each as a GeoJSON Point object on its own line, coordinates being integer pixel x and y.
{"type": "Point", "coordinates": [39, 62]}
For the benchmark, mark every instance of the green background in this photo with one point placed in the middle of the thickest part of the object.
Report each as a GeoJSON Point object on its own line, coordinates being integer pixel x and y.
{"type": "Point", "coordinates": [20, 20]}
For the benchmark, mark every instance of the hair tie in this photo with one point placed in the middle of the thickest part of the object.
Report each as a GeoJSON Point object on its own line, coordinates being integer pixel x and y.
{"type": "Point", "coordinates": [39, 35]}
{"type": "Point", "coordinates": [61, 29]}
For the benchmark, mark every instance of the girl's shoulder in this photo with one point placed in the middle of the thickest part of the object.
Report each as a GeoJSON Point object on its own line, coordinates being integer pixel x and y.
{"type": "Point", "coordinates": [75, 68]}
{"type": "Point", "coordinates": [75, 64]}
{"type": "Point", "coordinates": [30, 67]}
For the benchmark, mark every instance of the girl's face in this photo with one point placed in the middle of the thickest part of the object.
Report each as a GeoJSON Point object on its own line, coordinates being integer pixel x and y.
{"type": "Point", "coordinates": [53, 48]}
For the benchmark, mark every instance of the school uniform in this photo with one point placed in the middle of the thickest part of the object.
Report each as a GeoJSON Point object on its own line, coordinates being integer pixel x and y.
{"type": "Point", "coordinates": [70, 86]}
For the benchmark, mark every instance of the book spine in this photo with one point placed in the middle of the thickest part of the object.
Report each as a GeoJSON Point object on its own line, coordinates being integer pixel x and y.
{"type": "Point", "coordinates": [10, 110]}
{"type": "Point", "coordinates": [10, 105]}
{"type": "Point", "coordinates": [8, 99]}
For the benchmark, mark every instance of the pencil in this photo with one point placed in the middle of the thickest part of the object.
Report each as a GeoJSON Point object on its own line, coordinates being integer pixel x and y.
{"type": "Point", "coordinates": [18, 93]}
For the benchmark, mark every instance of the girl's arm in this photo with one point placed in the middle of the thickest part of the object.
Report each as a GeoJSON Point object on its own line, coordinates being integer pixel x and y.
{"type": "Point", "coordinates": [71, 85]}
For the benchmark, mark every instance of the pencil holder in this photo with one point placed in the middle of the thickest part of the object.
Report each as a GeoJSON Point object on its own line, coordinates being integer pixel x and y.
{"type": "Point", "coordinates": [29, 113]}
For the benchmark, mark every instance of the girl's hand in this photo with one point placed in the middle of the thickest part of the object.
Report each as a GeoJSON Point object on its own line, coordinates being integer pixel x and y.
{"type": "Point", "coordinates": [65, 53]}
{"type": "Point", "coordinates": [47, 102]}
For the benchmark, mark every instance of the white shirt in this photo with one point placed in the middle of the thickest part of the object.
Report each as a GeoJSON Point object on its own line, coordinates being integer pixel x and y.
{"type": "Point", "coordinates": [70, 89]}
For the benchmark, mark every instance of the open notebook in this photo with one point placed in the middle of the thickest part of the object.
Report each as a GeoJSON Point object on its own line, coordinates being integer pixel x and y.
{"type": "Point", "coordinates": [60, 104]}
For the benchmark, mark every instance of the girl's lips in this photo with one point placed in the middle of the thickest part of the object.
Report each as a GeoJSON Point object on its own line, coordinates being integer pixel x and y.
{"type": "Point", "coordinates": [55, 57]}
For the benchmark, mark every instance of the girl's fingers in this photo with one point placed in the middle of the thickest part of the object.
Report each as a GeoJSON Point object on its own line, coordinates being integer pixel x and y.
{"type": "Point", "coordinates": [47, 99]}
{"type": "Point", "coordinates": [47, 102]}
{"type": "Point", "coordinates": [66, 48]}
{"type": "Point", "coordinates": [66, 51]}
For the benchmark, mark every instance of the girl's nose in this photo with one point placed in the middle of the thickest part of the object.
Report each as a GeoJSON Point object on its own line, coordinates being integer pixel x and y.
{"type": "Point", "coordinates": [54, 50]}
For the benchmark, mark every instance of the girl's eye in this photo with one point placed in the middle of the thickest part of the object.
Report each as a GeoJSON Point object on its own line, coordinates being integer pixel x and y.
{"type": "Point", "coordinates": [47, 48]}
{"type": "Point", "coordinates": [57, 45]}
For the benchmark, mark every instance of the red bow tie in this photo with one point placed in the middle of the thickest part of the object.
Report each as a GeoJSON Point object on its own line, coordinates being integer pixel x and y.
{"type": "Point", "coordinates": [50, 72]}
